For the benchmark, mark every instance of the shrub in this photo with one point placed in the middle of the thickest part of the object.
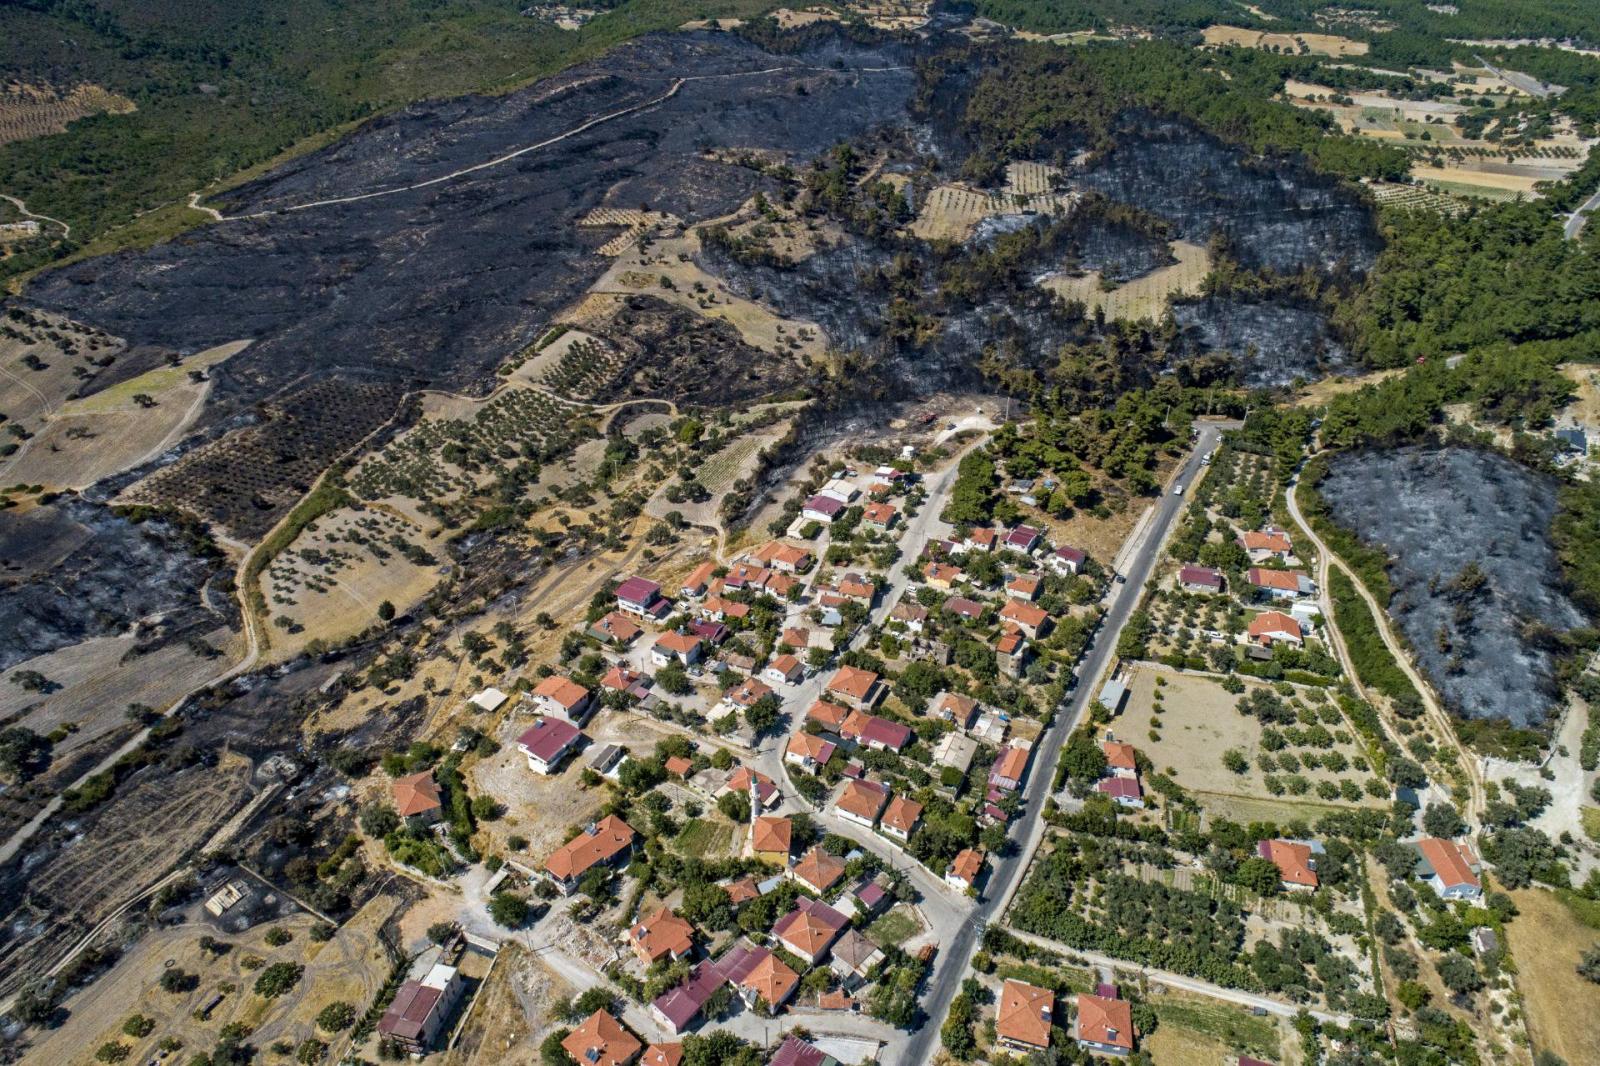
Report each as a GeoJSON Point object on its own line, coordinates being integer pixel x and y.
{"type": "Point", "coordinates": [336, 1017]}
{"type": "Point", "coordinates": [278, 978]}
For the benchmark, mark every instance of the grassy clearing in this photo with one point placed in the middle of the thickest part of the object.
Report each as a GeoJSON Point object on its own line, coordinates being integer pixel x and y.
{"type": "Point", "coordinates": [1591, 822]}
{"type": "Point", "coordinates": [893, 929]}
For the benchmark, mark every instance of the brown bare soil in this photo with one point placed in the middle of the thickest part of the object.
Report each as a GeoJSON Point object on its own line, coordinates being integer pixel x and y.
{"type": "Point", "coordinates": [329, 582]}
{"type": "Point", "coordinates": [96, 436]}
{"type": "Point", "coordinates": [98, 685]}
{"type": "Point", "coordinates": [1546, 940]}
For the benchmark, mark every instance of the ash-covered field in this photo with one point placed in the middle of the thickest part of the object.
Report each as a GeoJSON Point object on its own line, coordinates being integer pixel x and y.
{"type": "Point", "coordinates": [71, 570]}
{"type": "Point", "coordinates": [1477, 581]}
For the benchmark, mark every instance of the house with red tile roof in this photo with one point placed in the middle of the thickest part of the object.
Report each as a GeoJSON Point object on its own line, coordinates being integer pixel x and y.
{"type": "Point", "coordinates": [1265, 544]}
{"type": "Point", "coordinates": [1024, 587]}
{"type": "Point", "coordinates": [1296, 862]}
{"type": "Point", "coordinates": [786, 557]}
{"type": "Point", "coordinates": [855, 688]}
{"type": "Point", "coordinates": [878, 733]}
{"type": "Point", "coordinates": [808, 752]}
{"type": "Point", "coordinates": [1010, 768]}
{"type": "Point", "coordinates": [417, 1015]}
{"type": "Point", "coordinates": [862, 801]}
{"type": "Point", "coordinates": [1121, 759]}
{"type": "Point", "coordinates": [1105, 1024]}
{"type": "Point", "coordinates": [900, 818]}
{"type": "Point", "coordinates": [822, 509]}
{"type": "Point", "coordinates": [880, 516]}
{"type": "Point", "coordinates": [713, 633]}
{"type": "Point", "coordinates": [1022, 1020]}
{"type": "Point", "coordinates": [810, 929]}
{"type": "Point", "coordinates": [679, 766]}
{"type": "Point", "coordinates": [678, 1007]}
{"type": "Point", "coordinates": [1202, 579]}
{"type": "Point", "coordinates": [602, 1041]}
{"type": "Point", "coordinates": [982, 539]}
{"type": "Point", "coordinates": [1067, 560]}
{"type": "Point", "coordinates": [1281, 584]}
{"type": "Point", "coordinates": [1269, 627]}
{"type": "Point", "coordinates": [771, 838]}
{"type": "Point", "coordinates": [1451, 869]}
{"type": "Point", "coordinates": [857, 588]}
{"type": "Point", "coordinates": [417, 799]}
{"type": "Point", "coordinates": [745, 694]}
{"type": "Point", "coordinates": [603, 843]}
{"type": "Point", "coordinates": [547, 743]}
{"type": "Point", "coordinates": [662, 1055]}
{"type": "Point", "coordinates": [818, 870]}
{"type": "Point", "coordinates": [683, 648]}
{"type": "Point", "coordinates": [720, 608]}
{"type": "Point", "coordinates": [642, 597]}
{"type": "Point", "coordinates": [761, 789]}
{"type": "Point", "coordinates": [828, 715]}
{"type": "Point", "coordinates": [962, 607]}
{"type": "Point", "coordinates": [1011, 647]}
{"type": "Point", "coordinates": [563, 698]}
{"type": "Point", "coordinates": [941, 575]}
{"type": "Point", "coordinates": [964, 870]}
{"type": "Point", "coordinates": [1125, 790]}
{"type": "Point", "coordinates": [662, 935]}
{"type": "Point", "coordinates": [760, 976]}
{"type": "Point", "coordinates": [699, 581]}
{"type": "Point", "coordinates": [616, 629]}
{"type": "Point", "coordinates": [630, 682]}
{"type": "Point", "coordinates": [1023, 539]}
{"type": "Point", "coordinates": [784, 670]}
{"type": "Point", "coordinates": [1030, 618]}
{"type": "Point", "coordinates": [913, 616]}
{"type": "Point", "coordinates": [950, 707]}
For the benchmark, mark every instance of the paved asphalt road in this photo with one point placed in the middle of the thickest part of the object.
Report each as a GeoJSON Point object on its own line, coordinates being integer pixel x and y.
{"type": "Point", "coordinates": [1578, 218]}
{"type": "Point", "coordinates": [955, 958]}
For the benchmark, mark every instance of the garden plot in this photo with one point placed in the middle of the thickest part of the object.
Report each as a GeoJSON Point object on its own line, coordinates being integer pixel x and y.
{"type": "Point", "coordinates": [327, 584]}
{"type": "Point", "coordinates": [39, 110]}
{"type": "Point", "coordinates": [1198, 723]}
{"type": "Point", "coordinates": [1412, 197]}
{"type": "Point", "coordinates": [1143, 297]}
{"type": "Point", "coordinates": [1467, 533]}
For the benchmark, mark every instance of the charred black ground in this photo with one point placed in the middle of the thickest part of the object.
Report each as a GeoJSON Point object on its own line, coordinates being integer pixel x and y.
{"type": "Point", "coordinates": [1477, 583]}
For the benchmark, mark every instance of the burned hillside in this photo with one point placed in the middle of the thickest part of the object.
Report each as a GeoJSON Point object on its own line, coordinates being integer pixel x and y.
{"type": "Point", "coordinates": [1477, 584]}
{"type": "Point", "coordinates": [436, 284]}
